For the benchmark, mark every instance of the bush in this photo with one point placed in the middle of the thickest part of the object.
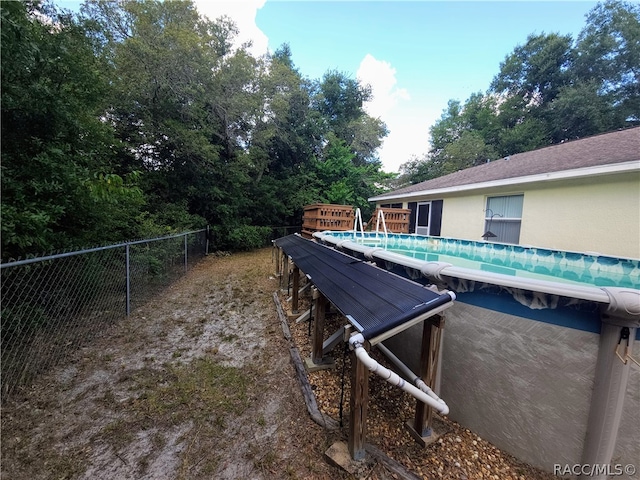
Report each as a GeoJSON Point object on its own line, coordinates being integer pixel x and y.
{"type": "Point", "coordinates": [246, 237]}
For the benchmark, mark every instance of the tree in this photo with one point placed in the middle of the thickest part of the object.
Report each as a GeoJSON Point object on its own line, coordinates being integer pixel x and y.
{"type": "Point", "coordinates": [536, 70]}
{"type": "Point", "coordinates": [59, 189]}
{"type": "Point", "coordinates": [285, 140]}
{"type": "Point", "coordinates": [608, 53]}
{"type": "Point", "coordinates": [140, 117]}
{"type": "Point", "coordinates": [579, 111]}
{"type": "Point", "coordinates": [547, 91]}
{"type": "Point", "coordinates": [184, 102]}
{"type": "Point", "coordinates": [340, 99]}
{"type": "Point", "coordinates": [342, 181]}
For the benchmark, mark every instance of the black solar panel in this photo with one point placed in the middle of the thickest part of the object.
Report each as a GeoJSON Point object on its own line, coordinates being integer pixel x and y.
{"type": "Point", "coordinates": [376, 300]}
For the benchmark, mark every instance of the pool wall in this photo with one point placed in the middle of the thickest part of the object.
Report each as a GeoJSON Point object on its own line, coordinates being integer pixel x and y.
{"type": "Point", "coordinates": [524, 364]}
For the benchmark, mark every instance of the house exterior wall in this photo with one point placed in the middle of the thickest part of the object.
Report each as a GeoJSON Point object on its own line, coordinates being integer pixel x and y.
{"type": "Point", "coordinates": [598, 214]}
{"type": "Point", "coordinates": [590, 215]}
{"type": "Point", "coordinates": [463, 217]}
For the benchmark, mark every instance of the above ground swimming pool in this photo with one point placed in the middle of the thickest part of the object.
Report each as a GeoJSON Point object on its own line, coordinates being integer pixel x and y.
{"type": "Point", "coordinates": [536, 278]}
{"type": "Point", "coordinates": [533, 354]}
{"type": "Point", "coordinates": [511, 260]}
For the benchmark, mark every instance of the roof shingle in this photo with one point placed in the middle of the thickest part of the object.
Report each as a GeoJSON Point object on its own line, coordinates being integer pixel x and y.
{"type": "Point", "coordinates": [604, 149]}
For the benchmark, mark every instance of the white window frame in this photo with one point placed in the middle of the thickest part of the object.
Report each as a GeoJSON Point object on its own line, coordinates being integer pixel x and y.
{"type": "Point", "coordinates": [506, 228]}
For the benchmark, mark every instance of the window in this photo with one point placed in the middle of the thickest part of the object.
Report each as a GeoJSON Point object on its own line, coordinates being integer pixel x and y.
{"type": "Point", "coordinates": [503, 217]}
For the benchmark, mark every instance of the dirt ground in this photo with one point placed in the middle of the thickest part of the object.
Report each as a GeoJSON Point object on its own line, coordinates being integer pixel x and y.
{"type": "Point", "coordinates": [200, 384]}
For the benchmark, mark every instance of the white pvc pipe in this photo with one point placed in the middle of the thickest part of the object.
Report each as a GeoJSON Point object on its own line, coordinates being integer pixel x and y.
{"type": "Point", "coordinates": [356, 341]}
{"type": "Point", "coordinates": [407, 372]}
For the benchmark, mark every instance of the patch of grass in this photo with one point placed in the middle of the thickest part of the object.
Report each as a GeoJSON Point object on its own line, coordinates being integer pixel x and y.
{"type": "Point", "coordinates": [63, 466]}
{"type": "Point", "coordinates": [229, 337]}
{"type": "Point", "coordinates": [266, 462]}
{"type": "Point", "coordinates": [118, 434]}
{"type": "Point", "coordinates": [202, 392]}
{"type": "Point", "coordinates": [197, 390]}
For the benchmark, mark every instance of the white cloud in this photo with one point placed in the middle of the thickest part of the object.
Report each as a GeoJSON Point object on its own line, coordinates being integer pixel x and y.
{"type": "Point", "coordinates": [243, 13]}
{"type": "Point", "coordinates": [408, 137]}
{"type": "Point", "coordinates": [406, 124]}
{"type": "Point", "coordinates": [382, 78]}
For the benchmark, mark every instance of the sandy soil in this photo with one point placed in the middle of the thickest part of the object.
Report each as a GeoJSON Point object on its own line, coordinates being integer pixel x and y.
{"type": "Point", "coordinates": [200, 384]}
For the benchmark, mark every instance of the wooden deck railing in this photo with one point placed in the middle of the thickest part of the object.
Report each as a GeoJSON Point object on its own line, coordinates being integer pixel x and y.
{"type": "Point", "coordinates": [321, 216]}
{"type": "Point", "coordinates": [396, 220]}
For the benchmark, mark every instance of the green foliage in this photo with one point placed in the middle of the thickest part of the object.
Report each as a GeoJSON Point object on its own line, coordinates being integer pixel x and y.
{"type": "Point", "coordinates": [340, 99]}
{"type": "Point", "coordinates": [608, 53]}
{"type": "Point", "coordinates": [201, 390]}
{"type": "Point", "coordinates": [243, 237]}
{"type": "Point", "coordinates": [141, 118]}
{"type": "Point", "coordinates": [343, 181]}
{"type": "Point", "coordinates": [59, 188]}
{"type": "Point", "coordinates": [548, 90]}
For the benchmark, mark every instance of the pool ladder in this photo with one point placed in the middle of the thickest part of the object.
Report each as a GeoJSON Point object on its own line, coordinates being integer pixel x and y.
{"type": "Point", "coordinates": [379, 221]}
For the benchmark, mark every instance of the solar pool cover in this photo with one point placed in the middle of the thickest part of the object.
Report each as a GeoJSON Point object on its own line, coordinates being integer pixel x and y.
{"type": "Point", "coordinates": [373, 300]}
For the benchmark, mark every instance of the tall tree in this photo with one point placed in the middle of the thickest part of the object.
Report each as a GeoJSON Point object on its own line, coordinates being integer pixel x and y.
{"type": "Point", "coordinates": [608, 54]}
{"type": "Point", "coordinates": [342, 181]}
{"type": "Point", "coordinates": [185, 103]}
{"type": "Point", "coordinates": [547, 91]}
{"type": "Point", "coordinates": [285, 140]}
{"type": "Point", "coordinates": [340, 100]}
{"type": "Point", "coordinates": [59, 189]}
{"type": "Point", "coordinates": [536, 70]}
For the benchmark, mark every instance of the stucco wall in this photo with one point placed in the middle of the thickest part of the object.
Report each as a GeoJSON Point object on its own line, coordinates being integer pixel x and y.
{"type": "Point", "coordinates": [590, 215]}
{"type": "Point", "coordinates": [463, 217]}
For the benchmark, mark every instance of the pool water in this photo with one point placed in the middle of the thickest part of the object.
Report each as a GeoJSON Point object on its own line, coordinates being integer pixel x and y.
{"type": "Point", "coordinates": [514, 260]}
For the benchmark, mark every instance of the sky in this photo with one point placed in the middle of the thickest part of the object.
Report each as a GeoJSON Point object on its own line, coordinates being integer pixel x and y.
{"type": "Point", "coordinates": [415, 55]}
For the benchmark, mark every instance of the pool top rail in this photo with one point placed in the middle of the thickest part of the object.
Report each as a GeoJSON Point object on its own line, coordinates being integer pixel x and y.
{"type": "Point", "coordinates": [621, 301]}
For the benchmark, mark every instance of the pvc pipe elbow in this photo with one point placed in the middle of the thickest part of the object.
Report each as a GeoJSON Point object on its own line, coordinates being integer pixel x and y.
{"type": "Point", "coordinates": [356, 340]}
{"type": "Point", "coordinates": [624, 303]}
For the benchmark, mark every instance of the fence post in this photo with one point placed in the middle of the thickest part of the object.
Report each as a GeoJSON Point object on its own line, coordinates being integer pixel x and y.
{"type": "Point", "coordinates": [128, 281]}
{"type": "Point", "coordinates": [186, 249]}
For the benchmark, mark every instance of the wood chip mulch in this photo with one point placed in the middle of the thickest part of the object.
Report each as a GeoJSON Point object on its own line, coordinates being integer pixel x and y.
{"type": "Point", "coordinates": [458, 453]}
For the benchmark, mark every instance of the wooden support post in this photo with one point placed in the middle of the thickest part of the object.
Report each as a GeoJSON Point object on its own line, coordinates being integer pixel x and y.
{"type": "Point", "coordinates": [278, 253]}
{"type": "Point", "coordinates": [316, 360]}
{"type": "Point", "coordinates": [318, 327]}
{"type": "Point", "coordinates": [285, 272]}
{"type": "Point", "coordinates": [296, 286]}
{"type": "Point", "coordinates": [359, 405]}
{"type": "Point", "coordinates": [430, 348]}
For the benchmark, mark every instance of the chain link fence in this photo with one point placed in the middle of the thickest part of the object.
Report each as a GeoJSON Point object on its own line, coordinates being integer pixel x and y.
{"type": "Point", "coordinates": [52, 306]}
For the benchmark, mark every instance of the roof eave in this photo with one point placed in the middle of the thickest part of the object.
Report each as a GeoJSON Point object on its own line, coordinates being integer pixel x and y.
{"type": "Point", "coordinates": [616, 168]}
